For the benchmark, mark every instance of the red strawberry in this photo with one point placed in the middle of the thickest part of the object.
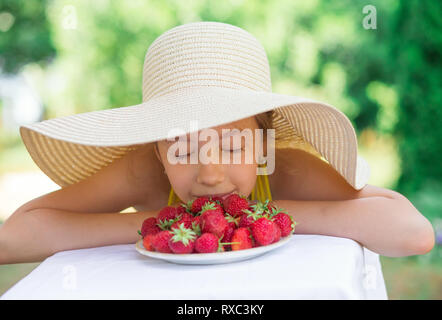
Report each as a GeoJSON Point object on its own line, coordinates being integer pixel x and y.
{"type": "Point", "coordinates": [212, 207]}
{"type": "Point", "coordinates": [246, 221]}
{"type": "Point", "coordinates": [196, 225]}
{"type": "Point", "coordinates": [276, 233]}
{"type": "Point", "coordinates": [182, 240]}
{"type": "Point", "coordinates": [241, 239]}
{"type": "Point", "coordinates": [167, 213]}
{"type": "Point", "coordinates": [213, 221]}
{"type": "Point", "coordinates": [261, 208]}
{"type": "Point", "coordinates": [196, 220]}
{"type": "Point", "coordinates": [207, 243]}
{"type": "Point", "coordinates": [227, 235]}
{"type": "Point", "coordinates": [185, 223]}
{"type": "Point", "coordinates": [249, 217]}
{"type": "Point", "coordinates": [149, 226]}
{"type": "Point", "coordinates": [285, 222]}
{"type": "Point", "coordinates": [185, 218]}
{"type": "Point", "coordinates": [196, 205]}
{"type": "Point", "coordinates": [232, 224]}
{"type": "Point", "coordinates": [228, 232]}
{"type": "Point", "coordinates": [217, 199]}
{"type": "Point", "coordinates": [181, 209]}
{"type": "Point", "coordinates": [147, 242]}
{"type": "Point", "coordinates": [262, 231]}
{"type": "Point", "coordinates": [234, 204]}
{"type": "Point", "coordinates": [166, 217]}
{"type": "Point", "coordinates": [160, 241]}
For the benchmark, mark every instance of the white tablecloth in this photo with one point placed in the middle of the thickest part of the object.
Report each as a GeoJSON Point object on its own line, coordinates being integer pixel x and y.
{"type": "Point", "coordinates": [308, 267]}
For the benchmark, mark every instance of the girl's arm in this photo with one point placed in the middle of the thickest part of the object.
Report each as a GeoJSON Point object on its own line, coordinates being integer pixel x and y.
{"type": "Point", "coordinates": [380, 219]}
{"type": "Point", "coordinates": [81, 215]}
{"type": "Point", "coordinates": [389, 226]}
{"type": "Point", "coordinates": [34, 235]}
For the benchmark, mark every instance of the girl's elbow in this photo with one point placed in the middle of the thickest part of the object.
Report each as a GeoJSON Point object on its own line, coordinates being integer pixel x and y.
{"type": "Point", "coordinates": [424, 241]}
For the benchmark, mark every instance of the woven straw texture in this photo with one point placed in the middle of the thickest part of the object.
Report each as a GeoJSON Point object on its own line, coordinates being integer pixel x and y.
{"type": "Point", "coordinates": [212, 72]}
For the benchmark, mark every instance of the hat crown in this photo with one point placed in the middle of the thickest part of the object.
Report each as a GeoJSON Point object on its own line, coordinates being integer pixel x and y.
{"type": "Point", "coordinates": [205, 54]}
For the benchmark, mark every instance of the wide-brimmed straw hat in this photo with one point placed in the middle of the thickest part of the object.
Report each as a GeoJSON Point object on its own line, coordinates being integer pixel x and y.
{"type": "Point", "coordinates": [212, 72]}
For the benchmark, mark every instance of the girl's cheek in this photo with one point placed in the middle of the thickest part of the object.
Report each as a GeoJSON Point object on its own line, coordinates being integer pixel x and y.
{"type": "Point", "coordinates": [180, 177]}
{"type": "Point", "coordinates": [243, 176]}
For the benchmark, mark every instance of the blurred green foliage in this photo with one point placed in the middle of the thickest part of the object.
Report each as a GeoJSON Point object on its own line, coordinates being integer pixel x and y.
{"type": "Point", "coordinates": [386, 80]}
{"type": "Point", "coordinates": [25, 34]}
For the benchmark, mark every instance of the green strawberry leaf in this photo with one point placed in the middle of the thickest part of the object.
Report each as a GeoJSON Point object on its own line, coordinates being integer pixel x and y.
{"type": "Point", "coordinates": [229, 218]}
{"type": "Point", "coordinates": [196, 228]}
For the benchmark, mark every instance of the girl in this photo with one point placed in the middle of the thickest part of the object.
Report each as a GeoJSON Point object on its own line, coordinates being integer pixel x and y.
{"type": "Point", "coordinates": [106, 161]}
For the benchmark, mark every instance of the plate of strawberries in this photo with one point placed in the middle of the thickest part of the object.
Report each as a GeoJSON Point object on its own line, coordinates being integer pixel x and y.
{"type": "Point", "coordinates": [212, 230]}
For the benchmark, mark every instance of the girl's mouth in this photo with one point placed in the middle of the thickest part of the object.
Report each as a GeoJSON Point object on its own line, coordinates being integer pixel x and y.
{"type": "Point", "coordinates": [221, 195]}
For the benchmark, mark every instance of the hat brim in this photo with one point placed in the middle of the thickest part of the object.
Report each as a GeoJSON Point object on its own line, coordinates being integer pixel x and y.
{"type": "Point", "coordinates": [71, 148]}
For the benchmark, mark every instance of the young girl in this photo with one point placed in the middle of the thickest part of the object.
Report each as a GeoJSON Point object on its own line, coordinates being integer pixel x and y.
{"type": "Point", "coordinates": [106, 161]}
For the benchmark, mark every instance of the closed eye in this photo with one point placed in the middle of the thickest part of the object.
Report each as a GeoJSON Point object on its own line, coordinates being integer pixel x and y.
{"type": "Point", "coordinates": [188, 154]}
{"type": "Point", "coordinates": [235, 150]}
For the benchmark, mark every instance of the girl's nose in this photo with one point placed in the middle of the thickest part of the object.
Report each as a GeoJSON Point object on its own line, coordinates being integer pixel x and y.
{"type": "Point", "coordinates": [210, 174]}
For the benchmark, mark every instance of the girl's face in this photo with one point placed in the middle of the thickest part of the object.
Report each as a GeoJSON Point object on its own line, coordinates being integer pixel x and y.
{"type": "Point", "coordinates": [190, 181]}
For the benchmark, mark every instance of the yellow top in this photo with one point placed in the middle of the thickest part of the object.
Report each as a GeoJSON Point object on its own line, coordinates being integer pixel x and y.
{"type": "Point", "coordinates": [260, 192]}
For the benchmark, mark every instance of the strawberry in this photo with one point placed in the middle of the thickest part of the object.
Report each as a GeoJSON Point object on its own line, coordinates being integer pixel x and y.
{"type": "Point", "coordinates": [185, 218]}
{"type": "Point", "coordinates": [232, 224]}
{"type": "Point", "coordinates": [246, 221]}
{"type": "Point", "coordinates": [241, 239]}
{"type": "Point", "coordinates": [207, 243]}
{"type": "Point", "coordinates": [276, 233]}
{"type": "Point", "coordinates": [185, 223]}
{"type": "Point", "coordinates": [147, 242]}
{"type": "Point", "coordinates": [167, 213]}
{"type": "Point", "coordinates": [217, 199]}
{"type": "Point", "coordinates": [213, 221]}
{"type": "Point", "coordinates": [262, 231]}
{"type": "Point", "coordinates": [160, 241]}
{"type": "Point", "coordinates": [234, 204]}
{"type": "Point", "coordinates": [182, 240]}
{"type": "Point", "coordinates": [182, 208]}
{"type": "Point", "coordinates": [228, 232]}
{"type": "Point", "coordinates": [166, 217]}
{"type": "Point", "coordinates": [149, 226]}
{"type": "Point", "coordinates": [196, 204]}
{"type": "Point", "coordinates": [196, 225]}
{"type": "Point", "coordinates": [261, 208]}
{"type": "Point", "coordinates": [212, 207]}
{"type": "Point", "coordinates": [249, 217]}
{"type": "Point", "coordinates": [285, 222]}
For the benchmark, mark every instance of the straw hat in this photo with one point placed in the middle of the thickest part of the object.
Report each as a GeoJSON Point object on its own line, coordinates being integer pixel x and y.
{"type": "Point", "coordinates": [212, 72]}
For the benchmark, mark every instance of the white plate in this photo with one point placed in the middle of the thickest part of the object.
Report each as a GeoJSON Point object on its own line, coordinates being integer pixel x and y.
{"type": "Point", "coordinates": [211, 258]}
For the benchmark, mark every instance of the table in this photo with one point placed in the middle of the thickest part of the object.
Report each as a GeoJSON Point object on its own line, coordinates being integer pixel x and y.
{"type": "Point", "coordinates": [308, 267]}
